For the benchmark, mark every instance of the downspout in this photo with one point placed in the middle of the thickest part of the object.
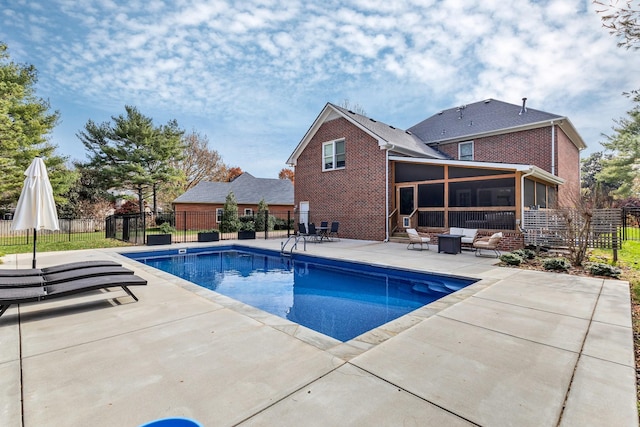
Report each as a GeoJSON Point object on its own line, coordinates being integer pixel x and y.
{"type": "Point", "coordinates": [553, 148]}
{"type": "Point", "coordinates": [522, 197]}
{"type": "Point", "coordinates": [386, 186]}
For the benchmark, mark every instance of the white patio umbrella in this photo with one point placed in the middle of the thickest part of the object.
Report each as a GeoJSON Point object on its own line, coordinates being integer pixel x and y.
{"type": "Point", "coordinates": [36, 208]}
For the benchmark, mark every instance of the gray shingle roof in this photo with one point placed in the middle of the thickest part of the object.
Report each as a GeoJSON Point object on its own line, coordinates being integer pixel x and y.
{"type": "Point", "coordinates": [246, 188]}
{"type": "Point", "coordinates": [478, 118]}
{"type": "Point", "coordinates": [400, 138]}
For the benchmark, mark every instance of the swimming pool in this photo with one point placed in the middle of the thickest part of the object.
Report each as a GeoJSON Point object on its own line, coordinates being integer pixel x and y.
{"type": "Point", "coordinates": [337, 298]}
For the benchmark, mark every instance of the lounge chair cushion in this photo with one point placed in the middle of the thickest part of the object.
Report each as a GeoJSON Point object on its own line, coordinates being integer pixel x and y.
{"type": "Point", "coordinates": [468, 234]}
{"type": "Point", "coordinates": [56, 268]}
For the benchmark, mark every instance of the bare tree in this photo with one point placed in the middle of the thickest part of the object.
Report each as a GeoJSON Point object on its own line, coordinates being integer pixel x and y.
{"type": "Point", "coordinates": [356, 108]}
{"type": "Point", "coordinates": [622, 21]}
{"type": "Point", "coordinates": [200, 163]}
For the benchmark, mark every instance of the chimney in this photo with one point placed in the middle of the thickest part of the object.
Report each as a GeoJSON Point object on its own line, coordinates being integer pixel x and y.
{"type": "Point", "coordinates": [524, 107]}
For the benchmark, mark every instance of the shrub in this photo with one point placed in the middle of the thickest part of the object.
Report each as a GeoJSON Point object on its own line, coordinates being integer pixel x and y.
{"type": "Point", "coordinates": [511, 259]}
{"type": "Point", "coordinates": [247, 223]}
{"type": "Point", "coordinates": [560, 264]}
{"type": "Point", "coordinates": [601, 269]}
{"type": "Point", "coordinates": [525, 253]}
{"type": "Point", "coordinates": [166, 228]}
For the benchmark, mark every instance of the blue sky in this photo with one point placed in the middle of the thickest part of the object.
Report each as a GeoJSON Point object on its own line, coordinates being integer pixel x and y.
{"type": "Point", "coordinates": [253, 75]}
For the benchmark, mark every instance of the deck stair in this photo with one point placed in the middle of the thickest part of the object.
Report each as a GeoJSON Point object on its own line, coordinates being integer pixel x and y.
{"type": "Point", "coordinates": [399, 237]}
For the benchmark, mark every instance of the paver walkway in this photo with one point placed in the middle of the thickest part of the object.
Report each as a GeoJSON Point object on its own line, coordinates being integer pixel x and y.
{"type": "Point", "coordinates": [518, 348]}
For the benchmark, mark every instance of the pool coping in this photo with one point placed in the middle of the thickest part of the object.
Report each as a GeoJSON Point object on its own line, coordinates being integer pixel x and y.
{"type": "Point", "coordinates": [344, 350]}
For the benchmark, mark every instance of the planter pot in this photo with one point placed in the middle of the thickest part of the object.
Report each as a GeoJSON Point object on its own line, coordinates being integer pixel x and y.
{"type": "Point", "coordinates": [213, 236]}
{"type": "Point", "coordinates": [158, 239]}
{"type": "Point", "coordinates": [246, 234]}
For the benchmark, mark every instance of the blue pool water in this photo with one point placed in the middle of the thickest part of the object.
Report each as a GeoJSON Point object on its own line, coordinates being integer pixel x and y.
{"type": "Point", "coordinates": [337, 298]}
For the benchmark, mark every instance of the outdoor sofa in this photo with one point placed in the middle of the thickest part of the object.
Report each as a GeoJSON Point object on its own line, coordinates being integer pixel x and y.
{"type": "Point", "coordinates": [468, 235]}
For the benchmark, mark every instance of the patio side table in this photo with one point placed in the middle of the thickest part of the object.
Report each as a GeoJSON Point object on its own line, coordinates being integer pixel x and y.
{"type": "Point", "coordinates": [449, 243]}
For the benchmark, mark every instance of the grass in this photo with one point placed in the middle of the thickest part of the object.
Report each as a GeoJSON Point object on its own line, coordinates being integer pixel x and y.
{"type": "Point", "coordinates": [62, 246]}
{"type": "Point", "coordinates": [629, 262]}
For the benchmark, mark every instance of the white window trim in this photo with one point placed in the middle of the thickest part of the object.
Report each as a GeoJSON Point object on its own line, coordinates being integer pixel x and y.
{"type": "Point", "coordinates": [248, 211]}
{"type": "Point", "coordinates": [219, 214]}
{"type": "Point", "coordinates": [333, 145]}
{"type": "Point", "coordinates": [473, 156]}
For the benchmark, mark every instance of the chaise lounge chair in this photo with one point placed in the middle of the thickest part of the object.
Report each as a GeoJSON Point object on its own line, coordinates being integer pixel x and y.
{"type": "Point", "coordinates": [488, 243]}
{"type": "Point", "coordinates": [416, 239]}
{"type": "Point", "coordinates": [19, 295]}
{"type": "Point", "coordinates": [62, 276]}
{"type": "Point", "coordinates": [57, 268]}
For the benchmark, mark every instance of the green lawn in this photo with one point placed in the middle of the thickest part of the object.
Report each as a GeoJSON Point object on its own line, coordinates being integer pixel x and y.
{"type": "Point", "coordinates": [63, 246]}
{"type": "Point", "coordinates": [628, 260]}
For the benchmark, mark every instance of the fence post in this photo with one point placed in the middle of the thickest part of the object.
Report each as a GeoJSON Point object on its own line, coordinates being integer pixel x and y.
{"type": "Point", "coordinates": [266, 224]}
{"type": "Point", "coordinates": [288, 222]}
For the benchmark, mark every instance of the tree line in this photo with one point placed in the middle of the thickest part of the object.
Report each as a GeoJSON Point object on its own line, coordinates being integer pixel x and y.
{"type": "Point", "coordinates": [128, 157]}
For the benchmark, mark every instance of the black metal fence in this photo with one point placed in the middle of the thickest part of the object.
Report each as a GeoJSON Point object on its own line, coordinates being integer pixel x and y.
{"type": "Point", "coordinates": [192, 226]}
{"type": "Point", "coordinates": [71, 230]}
{"type": "Point", "coordinates": [631, 223]}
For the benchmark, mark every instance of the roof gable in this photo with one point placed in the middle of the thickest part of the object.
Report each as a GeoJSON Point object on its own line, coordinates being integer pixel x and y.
{"type": "Point", "coordinates": [485, 118]}
{"type": "Point", "coordinates": [246, 188]}
{"type": "Point", "coordinates": [388, 137]}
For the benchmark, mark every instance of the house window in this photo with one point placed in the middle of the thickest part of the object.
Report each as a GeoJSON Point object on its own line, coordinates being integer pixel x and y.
{"type": "Point", "coordinates": [465, 150]}
{"type": "Point", "coordinates": [219, 212]}
{"type": "Point", "coordinates": [248, 212]}
{"type": "Point", "coordinates": [333, 155]}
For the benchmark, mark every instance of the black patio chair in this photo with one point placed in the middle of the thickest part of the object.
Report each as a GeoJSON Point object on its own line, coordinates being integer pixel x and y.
{"type": "Point", "coordinates": [333, 233]}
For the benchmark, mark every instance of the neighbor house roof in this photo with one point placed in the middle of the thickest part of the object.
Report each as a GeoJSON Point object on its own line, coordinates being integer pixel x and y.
{"type": "Point", "coordinates": [388, 137]}
{"type": "Point", "coordinates": [246, 188]}
{"type": "Point", "coordinates": [488, 117]}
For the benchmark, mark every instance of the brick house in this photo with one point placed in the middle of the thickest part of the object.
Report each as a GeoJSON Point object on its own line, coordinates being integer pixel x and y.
{"type": "Point", "coordinates": [209, 197]}
{"type": "Point", "coordinates": [475, 166]}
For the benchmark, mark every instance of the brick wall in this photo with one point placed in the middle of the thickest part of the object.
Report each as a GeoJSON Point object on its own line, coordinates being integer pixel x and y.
{"type": "Point", "coordinates": [355, 195]}
{"type": "Point", "coordinates": [202, 216]}
{"type": "Point", "coordinates": [528, 147]}
{"type": "Point", "coordinates": [567, 168]}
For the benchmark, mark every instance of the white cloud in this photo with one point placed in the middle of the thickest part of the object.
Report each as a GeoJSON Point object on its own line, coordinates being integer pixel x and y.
{"type": "Point", "coordinates": [235, 63]}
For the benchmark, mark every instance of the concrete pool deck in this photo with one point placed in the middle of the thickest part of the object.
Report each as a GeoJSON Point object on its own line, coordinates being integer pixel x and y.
{"type": "Point", "coordinates": [518, 347]}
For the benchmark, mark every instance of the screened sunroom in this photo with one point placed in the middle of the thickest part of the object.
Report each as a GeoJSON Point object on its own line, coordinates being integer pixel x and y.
{"type": "Point", "coordinates": [455, 193]}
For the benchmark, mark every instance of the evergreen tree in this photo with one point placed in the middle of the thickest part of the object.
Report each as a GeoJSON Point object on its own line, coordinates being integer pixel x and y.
{"type": "Point", "coordinates": [624, 144]}
{"type": "Point", "coordinates": [133, 154]}
{"type": "Point", "coordinates": [263, 208]}
{"type": "Point", "coordinates": [230, 222]}
{"type": "Point", "coordinates": [25, 123]}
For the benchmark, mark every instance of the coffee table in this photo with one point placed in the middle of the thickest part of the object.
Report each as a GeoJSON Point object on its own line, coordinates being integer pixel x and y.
{"type": "Point", "coordinates": [450, 243]}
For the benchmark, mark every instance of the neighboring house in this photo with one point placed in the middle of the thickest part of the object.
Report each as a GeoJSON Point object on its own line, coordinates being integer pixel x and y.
{"type": "Point", "coordinates": [475, 166]}
{"type": "Point", "coordinates": [208, 197]}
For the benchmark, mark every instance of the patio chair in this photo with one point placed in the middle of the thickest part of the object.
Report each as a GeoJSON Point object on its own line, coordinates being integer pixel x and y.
{"type": "Point", "coordinates": [57, 268]}
{"type": "Point", "coordinates": [416, 239]}
{"type": "Point", "coordinates": [20, 295]}
{"type": "Point", "coordinates": [488, 243]}
{"type": "Point", "coordinates": [313, 233]}
{"type": "Point", "coordinates": [333, 232]}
